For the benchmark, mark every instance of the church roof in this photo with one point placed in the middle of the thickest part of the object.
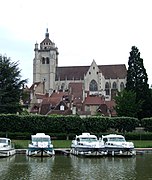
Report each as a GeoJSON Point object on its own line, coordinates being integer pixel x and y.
{"type": "Point", "coordinates": [71, 72]}
{"type": "Point", "coordinates": [78, 72]}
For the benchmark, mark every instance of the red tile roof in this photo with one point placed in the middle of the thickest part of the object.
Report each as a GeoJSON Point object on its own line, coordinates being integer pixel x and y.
{"type": "Point", "coordinates": [76, 91]}
{"type": "Point", "coordinates": [93, 100]}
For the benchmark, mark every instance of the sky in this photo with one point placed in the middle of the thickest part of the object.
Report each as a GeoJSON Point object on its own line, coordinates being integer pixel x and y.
{"type": "Point", "coordinates": [83, 30]}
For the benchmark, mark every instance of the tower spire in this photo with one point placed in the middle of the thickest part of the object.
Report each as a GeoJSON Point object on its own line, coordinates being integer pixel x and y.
{"type": "Point", "coordinates": [46, 34]}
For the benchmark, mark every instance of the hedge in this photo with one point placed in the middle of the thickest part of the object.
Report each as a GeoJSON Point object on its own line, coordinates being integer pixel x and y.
{"type": "Point", "coordinates": [65, 125]}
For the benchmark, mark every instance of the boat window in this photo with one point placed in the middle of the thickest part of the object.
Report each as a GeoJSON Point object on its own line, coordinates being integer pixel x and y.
{"type": "Point", "coordinates": [40, 139]}
{"type": "Point", "coordinates": [2, 140]}
{"type": "Point", "coordinates": [118, 139]}
{"type": "Point", "coordinates": [89, 139]}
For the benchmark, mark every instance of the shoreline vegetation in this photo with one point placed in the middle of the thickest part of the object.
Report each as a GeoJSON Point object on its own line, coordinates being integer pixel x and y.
{"type": "Point", "coordinates": [23, 144]}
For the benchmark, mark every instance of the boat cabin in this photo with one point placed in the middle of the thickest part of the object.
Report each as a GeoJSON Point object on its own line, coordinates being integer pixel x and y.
{"type": "Point", "coordinates": [40, 138]}
{"type": "Point", "coordinates": [5, 142]}
{"type": "Point", "coordinates": [113, 138]}
{"type": "Point", "coordinates": [86, 137]}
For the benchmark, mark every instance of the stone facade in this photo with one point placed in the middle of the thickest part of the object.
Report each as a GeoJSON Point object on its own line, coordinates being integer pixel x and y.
{"type": "Point", "coordinates": [97, 80]}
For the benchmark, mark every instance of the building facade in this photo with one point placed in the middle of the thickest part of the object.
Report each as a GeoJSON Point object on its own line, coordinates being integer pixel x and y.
{"type": "Point", "coordinates": [101, 80]}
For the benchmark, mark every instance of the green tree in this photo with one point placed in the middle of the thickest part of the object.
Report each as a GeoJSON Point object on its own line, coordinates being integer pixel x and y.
{"type": "Point", "coordinates": [10, 86]}
{"type": "Point", "coordinates": [137, 81]}
{"type": "Point", "coordinates": [126, 104]}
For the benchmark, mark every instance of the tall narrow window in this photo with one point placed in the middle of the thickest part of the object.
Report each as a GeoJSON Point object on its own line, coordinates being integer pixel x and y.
{"type": "Point", "coordinates": [43, 60]}
{"type": "Point", "coordinates": [107, 88]}
{"type": "Point", "coordinates": [122, 86]}
{"type": "Point", "coordinates": [93, 86]}
{"type": "Point", "coordinates": [114, 85]}
{"type": "Point", "coordinates": [47, 60]}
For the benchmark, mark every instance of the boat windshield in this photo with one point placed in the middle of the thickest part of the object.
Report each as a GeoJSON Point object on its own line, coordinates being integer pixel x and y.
{"type": "Point", "coordinates": [40, 139]}
{"type": "Point", "coordinates": [117, 139]}
{"type": "Point", "coordinates": [2, 140]}
{"type": "Point", "coordinates": [88, 139]}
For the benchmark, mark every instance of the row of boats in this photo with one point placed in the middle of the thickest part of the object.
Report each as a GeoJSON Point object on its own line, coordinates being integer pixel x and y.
{"type": "Point", "coordinates": [85, 144]}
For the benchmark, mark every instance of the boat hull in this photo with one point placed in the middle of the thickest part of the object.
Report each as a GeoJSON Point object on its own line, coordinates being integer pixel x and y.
{"type": "Point", "coordinates": [40, 152]}
{"type": "Point", "coordinates": [7, 153]}
{"type": "Point", "coordinates": [118, 151]}
{"type": "Point", "coordinates": [88, 152]}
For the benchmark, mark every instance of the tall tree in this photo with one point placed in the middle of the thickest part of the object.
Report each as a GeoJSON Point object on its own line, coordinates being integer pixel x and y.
{"type": "Point", "coordinates": [137, 81]}
{"type": "Point", "coordinates": [10, 86]}
{"type": "Point", "coordinates": [126, 104]}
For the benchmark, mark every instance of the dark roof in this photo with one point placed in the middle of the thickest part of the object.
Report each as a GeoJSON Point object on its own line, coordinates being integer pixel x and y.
{"type": "Point", "coordinates": [78, 72]}
{"type": "Point", "coordinates": [113, 71]}
{"type": "Point", "coordinates": [71, 72]}
{"type": "Point", "coordinates": [46, 40]}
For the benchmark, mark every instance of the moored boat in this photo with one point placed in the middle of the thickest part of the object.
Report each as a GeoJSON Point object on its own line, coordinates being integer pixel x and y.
{"type": "Point", "coordinates": [6, 147]}
{"type": "Point", "coordinates": [40, 146]}
{"type": "Point", "coordinates": [117, 145]}
{"type": "Point", "coordinates": [87, 145]}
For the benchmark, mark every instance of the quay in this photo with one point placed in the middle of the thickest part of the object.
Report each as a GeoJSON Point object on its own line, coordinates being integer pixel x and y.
{"type": "Point", "coordinates": [61, 151]}
{"type": "Point", "coordinates": [66, 151]}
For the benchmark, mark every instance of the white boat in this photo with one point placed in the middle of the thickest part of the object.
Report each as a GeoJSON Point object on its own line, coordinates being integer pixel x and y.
{"type": "Point", "coordinates": [40, 146]}
{"type": "Point", "coordinates": [117, 145]}
{"type": "Point", "coordinates": [87, 145]}
{"type": "Point", "coordinates": [6, 147]}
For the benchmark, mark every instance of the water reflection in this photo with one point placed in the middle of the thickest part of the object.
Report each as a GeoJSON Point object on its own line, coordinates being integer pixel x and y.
{"type": "Point", "coordinates": [105, 168]}
{"type": "Point", "coordinates": [21, 167]}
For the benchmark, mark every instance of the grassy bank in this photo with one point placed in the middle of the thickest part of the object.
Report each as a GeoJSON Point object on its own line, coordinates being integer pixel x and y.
{"type": "Point", "coordinates": [23, 144]}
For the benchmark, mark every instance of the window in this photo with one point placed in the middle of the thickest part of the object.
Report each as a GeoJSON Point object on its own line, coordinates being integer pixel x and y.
{"type": "Point", "coordinates": [93, 86]}
{"type": "Point", "coordinates": [107, 88]}
{"type": "Point", "coordinates": [114, 86]}
{"type": "Point", "coordinates": [61, 108]}
{"type": "Point", "coordinates": [47, 60]}
{"type": "Point", "coordinates": [43, 60]}
{"type": "Point", "coordinates": [122, 86]}
{"type": "Point", "coordinates": [62, 86]}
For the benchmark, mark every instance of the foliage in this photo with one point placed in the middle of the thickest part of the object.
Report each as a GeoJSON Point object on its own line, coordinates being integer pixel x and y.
{"type": "Point", "coordinates": [137, 81]}
{"type": "Point", "coordinates": [126, 104]}
{"type": "Point", "coordinates": [147, 124]}
{"type": "Point", "coordinates": [67, 125]}
{"type": "Point", "coordinates": [10, 86]}
{"type": "Point", "coordinates": [124, 124]}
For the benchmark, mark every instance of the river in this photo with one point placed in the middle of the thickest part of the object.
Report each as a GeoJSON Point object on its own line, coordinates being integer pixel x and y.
{"type": "Point", "coordinates": [60, 167]}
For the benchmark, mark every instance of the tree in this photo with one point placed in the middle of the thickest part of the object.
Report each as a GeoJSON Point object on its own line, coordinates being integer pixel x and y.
{"type": "Point", "coordinates": [10, 86]}
{"type": "Point", "coordinates": [137, 81]}
{"type": "Point", "coordinates": [126, 104]}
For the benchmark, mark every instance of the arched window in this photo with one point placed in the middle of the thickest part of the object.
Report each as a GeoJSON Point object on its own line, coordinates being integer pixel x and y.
{"type": "Point", "coordinates": [43, 60]}
{"type": "Point", "coordinates": [107, 88]}
{"type": "Point", "coordinates": [114, 85]}
{"type": "Point", "coordinates": [93, 86]}
{"type": "Point", "coordinates": [47, 60]}
{"type": "Point", "coordinates": [122, 86]}
{"type": "Point", "coordinates": [62, 86]}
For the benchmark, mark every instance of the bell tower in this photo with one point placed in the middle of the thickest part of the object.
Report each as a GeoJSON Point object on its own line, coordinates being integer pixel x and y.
{"type": "Point", "coordinates": [45, 63]}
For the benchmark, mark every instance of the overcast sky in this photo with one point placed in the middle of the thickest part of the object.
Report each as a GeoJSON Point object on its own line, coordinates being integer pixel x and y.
{"type": "Point", "coordinates": [83, 30]}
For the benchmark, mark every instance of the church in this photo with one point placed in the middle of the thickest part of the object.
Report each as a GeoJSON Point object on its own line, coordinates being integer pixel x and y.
{"type": "Point", "coordinates": [87, 88]}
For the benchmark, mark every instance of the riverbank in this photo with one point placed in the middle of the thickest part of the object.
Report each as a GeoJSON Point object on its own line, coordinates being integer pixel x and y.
{"type": "Point", "coordinates": [23, 144]}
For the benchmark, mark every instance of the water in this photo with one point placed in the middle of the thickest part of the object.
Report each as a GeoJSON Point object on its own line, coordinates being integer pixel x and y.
{"type": "Point", "coordinates": [21, 167]}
